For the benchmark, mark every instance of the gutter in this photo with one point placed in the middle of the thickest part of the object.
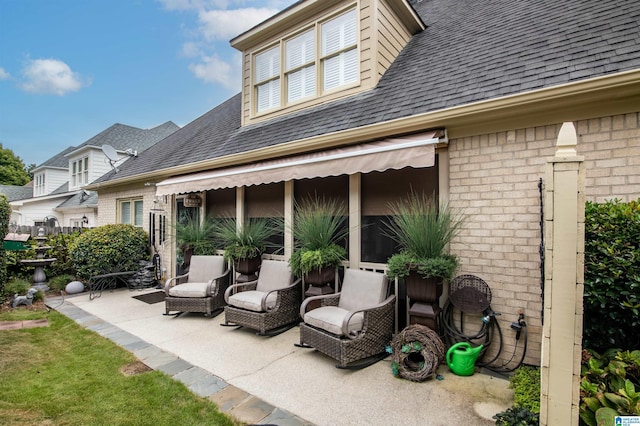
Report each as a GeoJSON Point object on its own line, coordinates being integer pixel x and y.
{"type": "Point", "coordinates": [433, 119]}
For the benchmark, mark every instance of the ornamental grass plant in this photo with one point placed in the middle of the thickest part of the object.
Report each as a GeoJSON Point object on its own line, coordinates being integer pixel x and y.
{"type": "Point", "coordinates": [423, 231]}
{"type": "Point", "coordinates": [248, 241]}
{"type": "Point", "coordinates": [318, 229]}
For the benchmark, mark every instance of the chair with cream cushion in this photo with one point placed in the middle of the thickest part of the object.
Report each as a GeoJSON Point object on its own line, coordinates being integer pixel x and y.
{"type": "Point", "coordinates": [269, 305]}
{"type": "Point", "coordinates": [353, 325]}
{"type": "Point", "coordinates": [201, 289]}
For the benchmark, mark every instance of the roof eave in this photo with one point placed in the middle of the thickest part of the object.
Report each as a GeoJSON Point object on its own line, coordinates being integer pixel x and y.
{"type": "Point", "coordinates": [620, 85]}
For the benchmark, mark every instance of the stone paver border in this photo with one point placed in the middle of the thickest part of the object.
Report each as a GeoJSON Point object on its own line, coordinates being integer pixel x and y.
{"type": "Point", "coordinates": [230, 400]}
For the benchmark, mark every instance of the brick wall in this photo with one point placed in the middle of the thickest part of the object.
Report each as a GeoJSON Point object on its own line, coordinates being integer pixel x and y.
{"type": "Point", "coordinates": [494, 181]}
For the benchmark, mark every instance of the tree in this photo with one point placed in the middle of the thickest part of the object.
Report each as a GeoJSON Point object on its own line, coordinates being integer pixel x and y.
{"type": "Point", "coordinates": [12, 169]}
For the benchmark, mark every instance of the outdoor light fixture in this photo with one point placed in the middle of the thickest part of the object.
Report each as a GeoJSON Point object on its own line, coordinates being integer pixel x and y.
{"type": "Point", "coordinates": [85, 220]}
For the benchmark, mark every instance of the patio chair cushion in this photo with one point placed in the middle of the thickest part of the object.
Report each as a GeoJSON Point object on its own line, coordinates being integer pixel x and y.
{"type": "Point", "coordinates": [362, 289]}
{"type": "Point", "coordinates": [330, 318]}
{"type": "Point", "coordinates": [203, 268]}
{"type": "Point", "coordinates": [189, 290]}
{"type": "Point", "coordinates": [274, 274]}
{"type": "Point", "coordinates": [251, 300]}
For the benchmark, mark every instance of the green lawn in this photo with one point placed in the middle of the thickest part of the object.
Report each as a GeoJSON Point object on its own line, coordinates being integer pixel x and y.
{"type": "Point", "coordinates": [66, 375]}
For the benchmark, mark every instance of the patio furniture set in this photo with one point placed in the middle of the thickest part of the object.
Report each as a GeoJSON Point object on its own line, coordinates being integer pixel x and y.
{"type": "Point", "coordinates": [352, 326]}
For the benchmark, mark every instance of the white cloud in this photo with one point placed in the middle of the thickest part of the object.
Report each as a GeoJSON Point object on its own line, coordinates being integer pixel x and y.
{"type": "Point", "coordinates": [218, 21]}
{"type": "Point", "coordinates": [212, 69]}
{"type": "Point", "coordinates": [191, 49]}
{"type": "Point", "coordinates": [3, 74]}
{"type": "Point", "coordinates": [226, 24]}
{"type": "Point", "coordinates": [51, 76]}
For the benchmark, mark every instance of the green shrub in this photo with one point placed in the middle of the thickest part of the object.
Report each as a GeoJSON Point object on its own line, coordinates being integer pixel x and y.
{"type": "Point", "coordinates": [60, 245]}
{"type": "Point", "coordinates": [526, 385]}
{"type": "Point", "coordinates": [17, 286]}
{"type": "Point", "coordinates": [517, 416]}
{"type": "Point", "coordinates": [610, 386]}
{"type": "Point", "coordinates": [612, 275]}
{"type": "Point", "coordinates": [60, 282]}
{"type": "Point", "coordinates": [109, 248]}
{"type": "Point", "coordinates": [525, 382]}
{"type": "Point", "coordinates": [5, 215]}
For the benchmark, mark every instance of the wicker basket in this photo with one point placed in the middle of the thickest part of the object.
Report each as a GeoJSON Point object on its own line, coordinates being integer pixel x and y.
{"type": "Point", "coordinates": [417, 353]}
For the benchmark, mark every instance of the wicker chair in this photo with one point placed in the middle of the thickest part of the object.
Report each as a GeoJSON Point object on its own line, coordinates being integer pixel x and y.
{"type": "Point", "coordinates": [269, 305]}
{"type": "Point", "coordinates": [353, 326]}
{"type": "Point", "coordinates": [201, 289]}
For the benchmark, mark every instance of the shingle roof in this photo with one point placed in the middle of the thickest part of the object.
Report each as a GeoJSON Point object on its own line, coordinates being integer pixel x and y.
{"type": "Point", "coordinates": [81, 199]}
{"type": "Point", "coordinates": [15, 193]}
{"type": "Point", "coordinates": [470, 51]}
{"type": "Point", "coordinates": [122, 137]}
{"type": "Point", "coordinates": [58, 160]}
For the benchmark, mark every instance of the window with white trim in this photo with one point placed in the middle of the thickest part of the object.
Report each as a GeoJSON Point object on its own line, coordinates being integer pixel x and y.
{"type": "Point", "coordinates": [80, 172]}
{"type": "Point", "coordinates": [339, 51]}
{"type": "Point", "coordinates": [267, 78]}
{"type": "Point", "coordinates": [299, 67]}
{"type": "Point", "coordinates": [131, 212]}
{"type": "Point", "coordinates": [39, 184]}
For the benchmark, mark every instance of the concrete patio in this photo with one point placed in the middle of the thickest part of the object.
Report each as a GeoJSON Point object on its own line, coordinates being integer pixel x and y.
{"type": "Point", "coordinates": [267, 380]}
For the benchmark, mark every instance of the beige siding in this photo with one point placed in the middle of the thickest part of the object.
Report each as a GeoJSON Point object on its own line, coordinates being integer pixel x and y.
{"type": "Point", "coordinates": [382, 37]}
{"type": "Point", "coordinates": [392, 37]}
{"type": "Point", "coordinates": [494, 179]}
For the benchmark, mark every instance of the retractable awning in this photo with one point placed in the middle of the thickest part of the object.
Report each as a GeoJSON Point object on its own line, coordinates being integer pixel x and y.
{"type": "Point", "coordinates": [408, 151]}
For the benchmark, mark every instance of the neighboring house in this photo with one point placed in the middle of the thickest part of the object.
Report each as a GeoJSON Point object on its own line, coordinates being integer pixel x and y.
{"type": "Point", "coordinates": [365, 101]}
{"type": "Point", "coordinates": [58, 198]}
{"type": "Point", "coordinates": [14, 193]}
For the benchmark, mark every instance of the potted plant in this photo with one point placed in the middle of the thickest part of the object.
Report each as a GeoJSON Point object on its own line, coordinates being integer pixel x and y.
{"type": "Point", "coordinates": [423, 231]}
{"type": "Point", "coordinates": [194, 237]}
{"type": "Point", "coordinates": [317, 230]}
{"type": "Point", "coordinates": [245, 244]}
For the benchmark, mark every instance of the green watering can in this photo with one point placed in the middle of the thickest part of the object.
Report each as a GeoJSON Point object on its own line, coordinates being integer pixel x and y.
{"type": "Point", "coordinates": [461, 358]}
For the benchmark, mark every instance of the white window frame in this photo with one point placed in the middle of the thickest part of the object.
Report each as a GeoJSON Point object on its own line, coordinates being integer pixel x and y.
{"type": "Point", "coordinates": [131, 218]}
{"type": "Point", "coordinates": [273, 90]}
{"type": "Point", "coordinates": [80, 172]}
{"type": "Point", "coordinates": [344, 52]}
{"type": "Point", "coordinates": [39, 183]}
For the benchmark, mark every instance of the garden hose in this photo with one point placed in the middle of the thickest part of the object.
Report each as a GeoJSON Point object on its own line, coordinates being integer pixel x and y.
{"type": "Point", "coordinates": [484, 336]}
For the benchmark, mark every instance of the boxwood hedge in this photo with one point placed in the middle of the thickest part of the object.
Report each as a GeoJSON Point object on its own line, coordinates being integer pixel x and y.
{"type": "Point", "coordinates": [612, 275]}
{"type": "Point", "coordinates": [109, 248]}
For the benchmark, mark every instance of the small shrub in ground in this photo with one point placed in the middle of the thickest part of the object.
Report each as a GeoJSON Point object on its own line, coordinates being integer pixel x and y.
{"type": "Point", "coordinates": [20, 287]}
{"type": "Point", "coordinates": [109, 248]}
{"type": "Point", "coordinates": [610, 386]}
{"type": "Point", "coordinates": [17, 286]}
{"type": "Point", "coordinates": [612, 275]}
{"type": "Point", "coordinates": [526, 400]}
{"type": "Point", "coordinates": [517, 416]}
{"type": "Point", "coordinates": [526, 385]}
{"type": "Point", "coordinates": [5, 215]}
{"type": "Point", "coordinates": [60, 245]}
{"type": "Point", "coordinates": [60, 282]}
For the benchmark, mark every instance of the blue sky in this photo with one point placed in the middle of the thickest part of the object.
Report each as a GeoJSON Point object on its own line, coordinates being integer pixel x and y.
{"type": "Point", "coordinates": [71, 68]}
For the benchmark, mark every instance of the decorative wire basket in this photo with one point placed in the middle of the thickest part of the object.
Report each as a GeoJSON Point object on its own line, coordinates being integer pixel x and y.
{"type": "Point", "coordinates": [469, 293]}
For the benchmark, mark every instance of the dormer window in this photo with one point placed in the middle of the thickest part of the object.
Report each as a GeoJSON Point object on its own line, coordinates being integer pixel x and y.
{"type": "Point", "coordinates": [267, 77]}
{"type": "Point", "coordinates": [80, 172]}
{"type": "Point", "coordinates": [39, 184]}
{"type": "Point", "coordinates": [289, 72]}
{"type": "Point", "coordinates": [339, 51]}
{"type": "Point", "coordinates": [301, 66]}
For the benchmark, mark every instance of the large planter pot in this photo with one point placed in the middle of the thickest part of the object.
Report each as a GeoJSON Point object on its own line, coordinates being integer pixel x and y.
{"type": "Point", "coordinates": [424, 297]}
{"type": "Point", "coordinates": [320, 281]}
{"type": "Point", "coordinates": [423, 290]}
{"type": "Point", "coordinates": [247, 269]}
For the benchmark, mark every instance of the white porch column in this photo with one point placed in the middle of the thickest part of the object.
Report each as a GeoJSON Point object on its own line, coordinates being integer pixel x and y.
{"type": "Point", "coordinates": [564, 283]}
